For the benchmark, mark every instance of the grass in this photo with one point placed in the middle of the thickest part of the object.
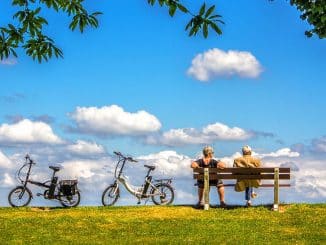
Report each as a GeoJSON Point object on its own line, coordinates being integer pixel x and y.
{"type": "Point", "coordinates": [295, 224]}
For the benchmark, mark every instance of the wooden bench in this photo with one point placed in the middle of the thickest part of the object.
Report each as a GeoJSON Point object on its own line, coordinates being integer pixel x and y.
{"type": "Point", "coordinates": [276, 174]}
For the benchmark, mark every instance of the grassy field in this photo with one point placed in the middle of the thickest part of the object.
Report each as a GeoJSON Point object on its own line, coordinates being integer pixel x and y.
{"type": "Point", "coordinates": [294, 224]}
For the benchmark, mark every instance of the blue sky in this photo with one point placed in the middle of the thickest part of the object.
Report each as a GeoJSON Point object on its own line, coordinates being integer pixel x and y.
{"type": "Point", "coordinates": [138, 60]}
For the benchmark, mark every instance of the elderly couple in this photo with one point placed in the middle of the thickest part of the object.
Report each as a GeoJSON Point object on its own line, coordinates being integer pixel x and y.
{"type": "Point", "coordinates": [246, 161]}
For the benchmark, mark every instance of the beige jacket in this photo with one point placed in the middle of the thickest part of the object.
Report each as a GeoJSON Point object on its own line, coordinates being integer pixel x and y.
{"type": "Point", "coordinates": [247, 161]}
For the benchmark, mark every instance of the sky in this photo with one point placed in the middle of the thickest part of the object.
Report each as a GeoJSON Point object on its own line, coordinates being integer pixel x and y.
{"type": "Point", "coordinates": [139, 85]}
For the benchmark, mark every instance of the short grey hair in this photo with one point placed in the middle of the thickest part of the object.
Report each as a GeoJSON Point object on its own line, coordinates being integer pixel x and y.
{"type": "Point", "coordinates": [246, 150]}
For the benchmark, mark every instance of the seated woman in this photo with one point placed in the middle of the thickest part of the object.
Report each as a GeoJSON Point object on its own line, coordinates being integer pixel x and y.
{"type": "Point", "coordinates": [247, 161]}
{"type": "Point", "coordinates": [209, 162]}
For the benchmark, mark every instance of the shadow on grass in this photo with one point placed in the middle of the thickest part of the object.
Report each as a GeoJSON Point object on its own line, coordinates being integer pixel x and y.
{"type": "Point", "coordinates": [228, 207]}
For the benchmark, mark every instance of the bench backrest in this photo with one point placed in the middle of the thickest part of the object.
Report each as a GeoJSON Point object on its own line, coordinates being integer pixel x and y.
{"type": "Point", "coordinates": [242, 173]}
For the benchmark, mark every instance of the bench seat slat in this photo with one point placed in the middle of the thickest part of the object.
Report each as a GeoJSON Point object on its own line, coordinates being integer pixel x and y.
{"type": "Point", "coordinates": [263, 185]}
{"type": "Point", "coordinates": [242, 170]}
{"type": "Point", "coordinates": [241, 176]}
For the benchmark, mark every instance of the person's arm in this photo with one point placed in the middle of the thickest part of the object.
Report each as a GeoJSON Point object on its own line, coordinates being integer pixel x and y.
{"type": "Point", "coordinates": [194, 164]}
{"type": "Point", "coordinates": [221, 164]}
{"type": "Point", "coordinates": [258, 163]}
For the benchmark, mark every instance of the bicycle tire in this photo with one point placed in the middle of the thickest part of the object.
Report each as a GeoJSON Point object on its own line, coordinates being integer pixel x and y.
{"type": "Point", "coordinates": [14, 196]}
{"type": "Point", "coordinates": [112, 192]}
{"type": "Point", "coordinates": [168, 194]}
{"type": "Point", "coordinates": [64, 200]}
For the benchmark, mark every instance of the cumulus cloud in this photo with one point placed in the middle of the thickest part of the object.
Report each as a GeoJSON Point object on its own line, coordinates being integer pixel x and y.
{"type": "Point", "coordinates": [319, 145]}
{"type": "Point", "coordinates": [308, 181]}
{"type": "Point", "coordinates": [284, 152]}
{"type": "Point", "coordinates": [292, 165]}
{"type": "Point", "coordinates": [44, 118]}
{"type": "Point", "coordinates": [8, 62]}
{"type": "Point", "coordinates": [81, 168]}
{"type": "Point", "coordinates": [216, 63]}
{"type": "Point", "coordinates": [26, 131]}
{"type": "Point", "coordinates": [169, 163]}
{"type": "Point", "coordinates": [13, 98]}
{"type": "Point", "coordinates": [86, 148]}
{"type": "Point", "coordinates": [5, 162]}
{"type": "Point", "coordinates": [113, 120]}
{"type": "Point", "coordinates": [7, 181]}
{"type": "Point", "coordinates": [207, 135]}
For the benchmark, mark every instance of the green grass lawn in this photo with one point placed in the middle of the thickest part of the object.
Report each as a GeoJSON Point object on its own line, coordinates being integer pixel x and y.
{"type": "Point", "coordinates": [294, 224]}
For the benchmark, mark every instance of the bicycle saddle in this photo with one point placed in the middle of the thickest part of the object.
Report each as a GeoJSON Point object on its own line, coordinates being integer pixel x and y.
{"type": "Point", "coordinates": [54, 168]}
{"type": "Point", "coordinates": [150, 167]}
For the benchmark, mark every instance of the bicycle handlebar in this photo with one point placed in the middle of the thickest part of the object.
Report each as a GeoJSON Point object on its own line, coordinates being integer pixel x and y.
{"type": "Point", "coordinates": [30, 161]}
{"type": "Point", "coordinates": [130, 159]}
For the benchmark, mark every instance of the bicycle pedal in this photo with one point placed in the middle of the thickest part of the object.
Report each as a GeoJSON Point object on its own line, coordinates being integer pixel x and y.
{"type": "Point", "coordinates": [138, 202]}
{"type": "Point", "coordinates": [39, 194]}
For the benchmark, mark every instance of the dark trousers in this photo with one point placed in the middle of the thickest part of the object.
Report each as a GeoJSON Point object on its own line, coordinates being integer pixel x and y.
{"type": "Point", "coordinates": [248, 193]}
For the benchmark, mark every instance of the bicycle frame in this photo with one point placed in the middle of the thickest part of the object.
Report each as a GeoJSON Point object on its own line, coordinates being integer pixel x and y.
{"type": "Point", "coordinates": [65, 191]}
{"type": "Point", "coordinates": [50, 187]}
{"type": "Point", "coordinates": [137, 191]}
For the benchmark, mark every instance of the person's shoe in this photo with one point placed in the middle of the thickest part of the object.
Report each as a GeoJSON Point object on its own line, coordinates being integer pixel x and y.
{"type": "Point", "coordinates": [254, 195]}
{"type": "Point", "coordinates": [223, 205]}
{"type": "Point", "coordinates": [199, 205]}
{"type": "Point", "coordinates": [248, 204]}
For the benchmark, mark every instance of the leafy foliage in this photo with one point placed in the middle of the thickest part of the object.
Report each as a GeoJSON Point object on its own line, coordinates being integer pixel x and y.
{"type": "Point", "coordinates": [201, 21]}
{"type": "Point", "coordinates": [27, 31]}
{"type": "Point", "coordinates": [315, 13]}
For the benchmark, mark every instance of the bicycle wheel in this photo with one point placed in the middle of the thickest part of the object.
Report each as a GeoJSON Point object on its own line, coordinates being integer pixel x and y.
{"type": "Point", "coordinates": [110, 195]}
{"type": "Point", "coordinates": [162, 194]}
{"type": "Point", "coordinates": [20, 196]}
{"type": "Point", "coordinates": [71, 200]}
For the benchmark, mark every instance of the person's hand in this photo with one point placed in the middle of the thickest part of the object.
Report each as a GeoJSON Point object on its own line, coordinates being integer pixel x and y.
{"type": "Point", "coordinates": [221, 165]}
{"type": "Point", "coordinates": [194, 165]}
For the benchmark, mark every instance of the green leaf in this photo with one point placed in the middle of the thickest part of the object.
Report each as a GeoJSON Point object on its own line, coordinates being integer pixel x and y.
{"type": "Point", "coordinates": [215, 16]}
{"type": "Point", "coordinates": [202, 10]}
{"type": "Point", "coordinates": [190, 23]}
{"type": "Point", "coordinates": [37, 11]}
{"type": "Point", "coordinates": [205, 30]}
{"type": "Point", "coordinates": [96, 13]}
{"type": "Point", "coordinates": [172, 10]}
{"type": "Point", "coordinates": [182, 8]}
{"type": "Point", "coordinates": [161, 2]}
{"type": "Point", "coordinates": [209, 11]}
{"type": "Point", "coordinates": [151, 2]}
{"type": "Point", "coordinates": [215, 28]}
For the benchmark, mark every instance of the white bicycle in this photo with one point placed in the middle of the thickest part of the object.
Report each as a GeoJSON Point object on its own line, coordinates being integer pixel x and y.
{"type": "Point", "coordinates": [159, 190]}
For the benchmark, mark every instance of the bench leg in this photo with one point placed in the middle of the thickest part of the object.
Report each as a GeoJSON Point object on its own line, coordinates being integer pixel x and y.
{"type": "Point", "coordinates": [206, 189]}
{"type": "Point", "coordinates": [276, 189]}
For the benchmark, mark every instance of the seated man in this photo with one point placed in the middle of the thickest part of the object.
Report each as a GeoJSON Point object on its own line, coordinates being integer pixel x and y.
{"type": "Point", "coordinates": [208, 162]}
{"type": "Point", "coordinates": [247, 161]}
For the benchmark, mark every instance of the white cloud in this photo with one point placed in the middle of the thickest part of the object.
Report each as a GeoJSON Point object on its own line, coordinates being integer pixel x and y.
{"type": "Point", "coordinates": [81, 168]}
{"type": "Point", "coordinates": [228, 160]}
{"type": "Point", "coordinates": [284, 152]}
{"type": "Point", "coordinates": [216, 63]}
{"type": "Point", "coordinates": [5, 162]}
{"type": "Point", "coordinates": [169, 163]}
{"type": "Point", "coordinates": [86, 148]}
{"type": "Point", "coordinates": [308, 182]}
{"type": "Point", "coordinates": [8, 62]}
{"type": "Point", "coordinates": [26, 131]}
{"type": "Point", "coordinates": [113, 120]}
{"type": "Point", "coordinates": [319, 145]}
{"type": "Point", "coordinates": [223, 132]}
{"type": "Point", "coordinates": [7, 181]}
{"type": "Point", "coordinates": [207, 135]}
